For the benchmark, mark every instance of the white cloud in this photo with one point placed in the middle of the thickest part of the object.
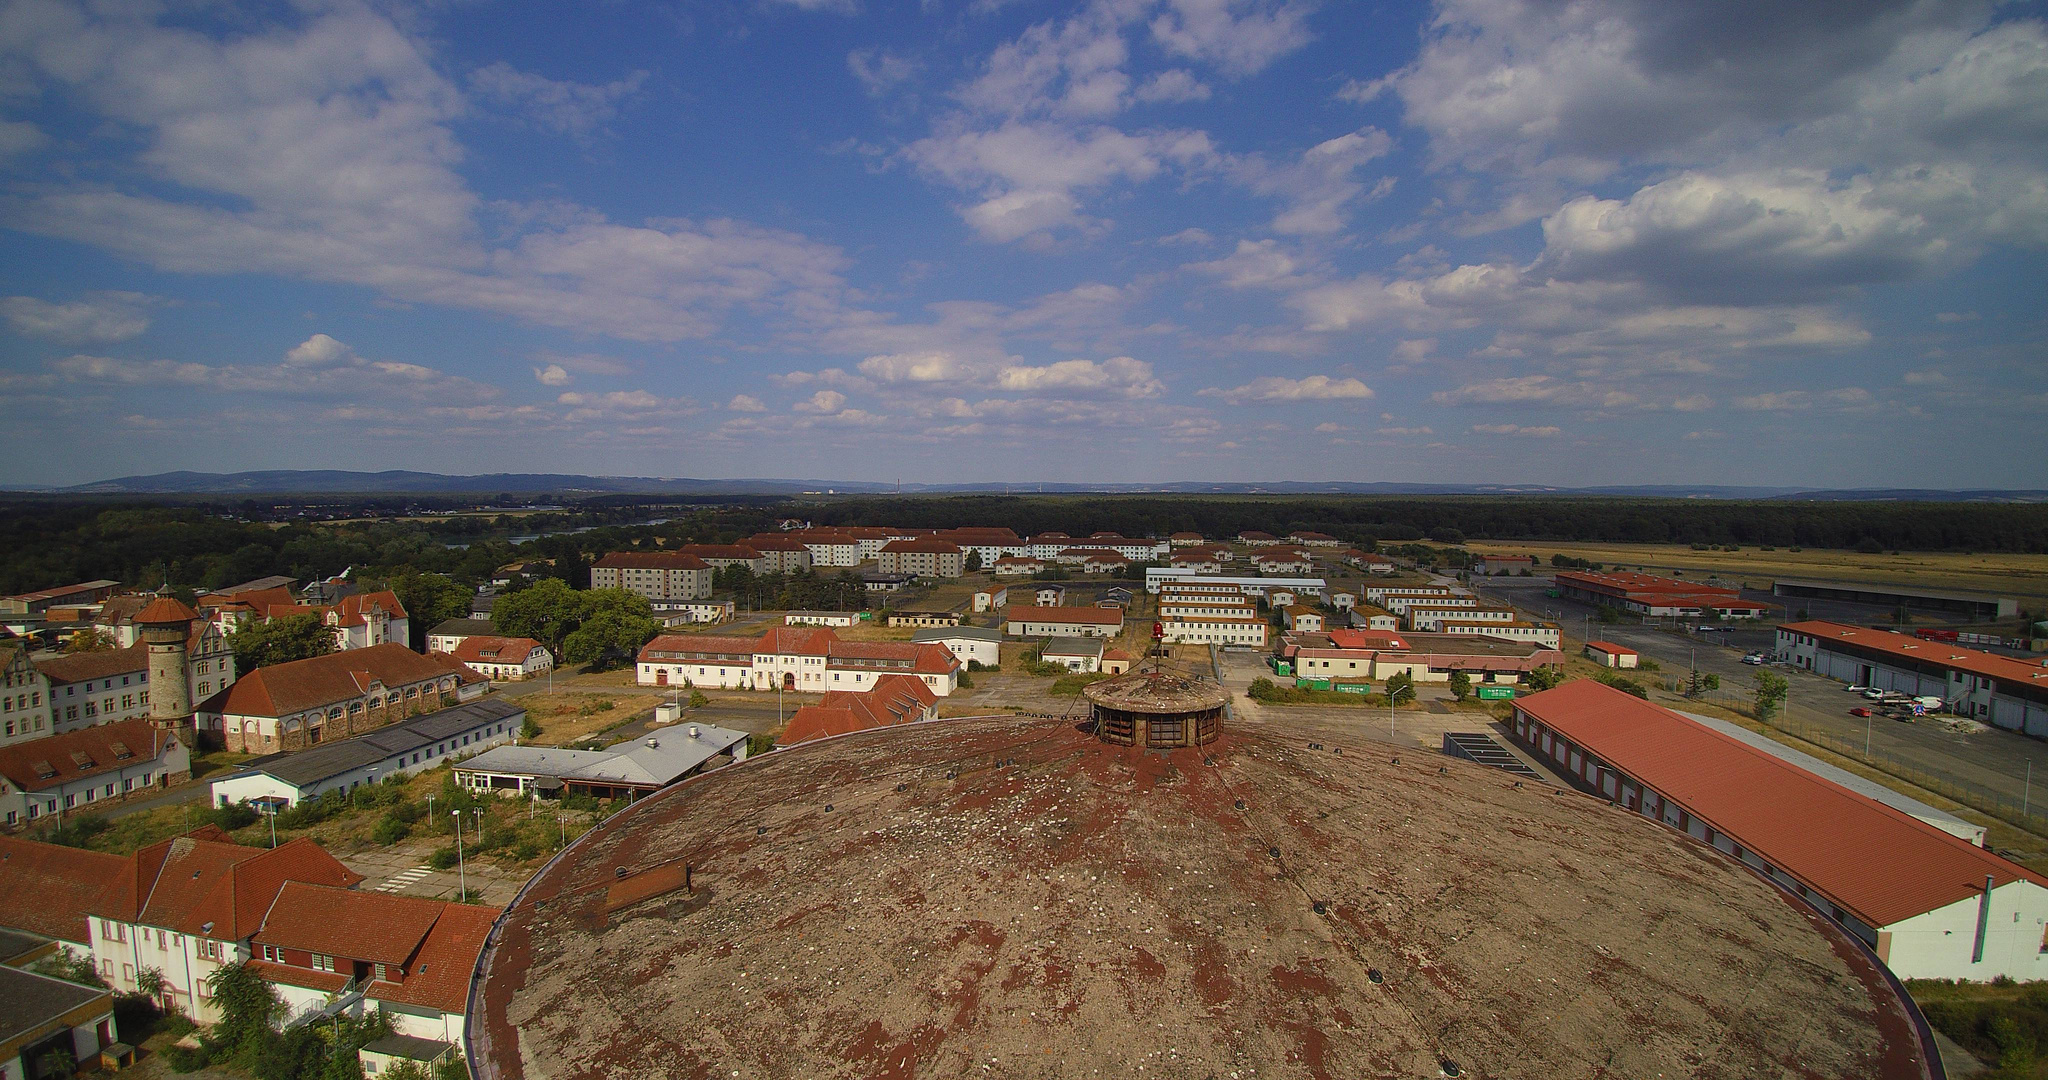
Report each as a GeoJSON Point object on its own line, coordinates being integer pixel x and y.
{"type": "Point", "coordinates": [319, 350]}
{"type": "Point", "coordinates": [1318, 188]}
{"type": "Point", "coordinates": [1277, 389]}
{"type": "Point", "coordinates": [1929, 377]}
{"type": "Point", "coordinates": [1775, 401]}
{"type": "Point", "coordinates": [322, 150]}
{"type": "Point", "coordinates": [320, 366]}
{"type": "Point", "coordinates": [746, 403]}
{"type": "Point", "coordinates": [1401, 431]}
{"type": "Point", "coordinates": [1544, 432]}
{"type": "Point", "coordinates": [1120, 375]}
{"type": "Point", "coordinates": [552, 375]}
{"type": "Point", "coordinates": [1171, 88]}
{"type": "Point", "coordinates": [837, 7]}
{"type": "Point", "coordinates": [1027, 173]}
{"type": "Point", "coordinates": [1239, 36]}
{"type": "Point", "coordinates": [1258, 264]}
{"type": "Point", "coordinates": [18, 137]}
{"type": "Point", "coordinates": [824, 401]}
{"type": "Point", "coordinates": [95, 317]}
{"type": "Point", "coordinates": [880, 71]}
{"type": "Point", "coordinates": [1188, 235]}
{"type": "Point", "coordinates": [561, 108]}
{"type": "Point", "coordinates": [1328, 428]}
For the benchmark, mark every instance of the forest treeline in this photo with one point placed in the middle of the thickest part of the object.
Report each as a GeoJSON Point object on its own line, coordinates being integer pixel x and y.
{"type": "Point", "coordinates": [53, 542]}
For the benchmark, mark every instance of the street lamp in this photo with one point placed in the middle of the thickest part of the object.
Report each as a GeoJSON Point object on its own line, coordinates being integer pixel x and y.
{"type": "Point", "coordinates": [430, 807]}
{"type": "Point", "coordinates": [461, 867]}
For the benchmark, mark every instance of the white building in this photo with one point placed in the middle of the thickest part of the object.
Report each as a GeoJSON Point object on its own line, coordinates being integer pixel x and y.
{"type": "Point", "coordinates": [803, 659]}
{"type": "Point", "coordinates": [969, 644]}
{"type": "Point", "coordinates": [1999, 690]}
{"type": "Point", "coordinates": [1544, 634]}
{"type": "Point", "coordinates": [1214, 630]}
{"type": "Point", "coordinates": [1158, 576]}
{"type": "Point", "coordinates": [1930, 904]}
{"type": "Point", "coordinates": [24, 696]}
{"type": "Point", "coordinates": [821, 618]}
{"type": "Point", "coordinates": [1428, 615]}
{"type": "Point", "coordinates": [446, 635]}
{"type": "Point", "coordinates": [401, 749]}
{"type": "Point", "coordinates": [113, 684]}
{"type": "Point", "coordinates": [505, 659]}
{"type": "Point", "coordinates": [991, 599]}
{"type": "Point", "coordinates": [1033, 622]}
{"type": "Point", "coordinates": [88, 769]}
{"type": "Point", "coordinates": [923, 557]}
{"type": "Point", "coordinates": [45, 1014]}
{"type": "Point", "coordinates": [693, 612]}
{"type": "Point", "coordinates": [657, 575]}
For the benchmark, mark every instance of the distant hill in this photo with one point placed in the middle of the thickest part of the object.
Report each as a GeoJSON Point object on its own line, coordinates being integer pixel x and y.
{"type": "Point", "coordinates": [404, 482]}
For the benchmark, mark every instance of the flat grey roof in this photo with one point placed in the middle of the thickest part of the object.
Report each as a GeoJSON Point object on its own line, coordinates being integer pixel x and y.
{"type": "Point", "coordinates": [14, 943]}
{"type": "Point", "coordinates": [28, 1000]}
{"type": "Point", "coordinates": [304, 768]}
{"type": "Point", "coordinates": [655, 759]}
{"type": "Point", "coordinates": [1072, 646]}
{"type": "Point", "coordinates": [465, 628]}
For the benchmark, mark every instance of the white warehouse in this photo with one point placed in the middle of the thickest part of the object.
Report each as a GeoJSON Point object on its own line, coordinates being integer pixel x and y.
{"type": "Point", "coordinates": [1999, 690]}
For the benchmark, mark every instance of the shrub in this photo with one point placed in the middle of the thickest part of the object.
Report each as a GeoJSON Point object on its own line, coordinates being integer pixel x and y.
{"type": "Point", "coordinates": [390, 831]}
{"type": "Point", "coordinates": [184, 1059]}
{"type": "Point", "coordinates": [1623, 684]}
{"type": "Point", "coordinates": [698, 700]}
{"type": "Point", "coordinates": [442, 859]}
{"type": "Point", "coordinates": [530, 730]}
{"type": "Point", "coordinates": [966, 681]}
{"type": "Point", "coordinates": [233, 816]}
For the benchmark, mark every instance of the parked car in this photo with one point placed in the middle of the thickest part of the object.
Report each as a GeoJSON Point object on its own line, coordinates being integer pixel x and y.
{"type": "Point", "coordinates": [1755, 658]}
{"type": "Point", "coordinates": [1855, 689]}
{"type": "Point", "coordinates": [1860, 710]}
{"type": "Point", "coordinates": [1872, 693]}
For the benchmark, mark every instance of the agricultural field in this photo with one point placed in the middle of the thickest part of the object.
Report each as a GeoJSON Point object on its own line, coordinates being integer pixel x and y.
{"type": "Point", "coordinates": [2022, 576]}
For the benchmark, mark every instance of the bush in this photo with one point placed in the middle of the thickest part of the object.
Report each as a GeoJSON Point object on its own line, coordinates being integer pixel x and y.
{"type": "Point", "coordinates": [530, 730]}
{"type": "Point", "coordinates": [390, 831]}
{"type": "Point", "coordinates": [77, 831]}
{"type": "Point", "coordinates": [698, 700]}
{"type": "Point", "coordinates": [966, 681]}
{"type": "Point", "coordinates": [594, 706]}
{"type": "Point", "coordinates": [184, 1059]}
{"type": "Point", "coordinates": [1070, 684]}
{"type": "Point", "coordinates": [443, 859]}
{"type": "Point", "coordinates": [1623, 684]}
{"type": "Point", "coordinates": [234, 816]}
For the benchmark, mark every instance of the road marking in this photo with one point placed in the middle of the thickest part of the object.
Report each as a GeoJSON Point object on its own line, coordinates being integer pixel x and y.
{"type": "Point", "coordinates": [405, 880]}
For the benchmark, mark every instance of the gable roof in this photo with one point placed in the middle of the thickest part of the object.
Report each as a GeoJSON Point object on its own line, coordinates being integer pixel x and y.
{"type": "Point", "coordinates": [195, 883]}
{"type": "Point", "coordinates": [357, 609]}
{"type": "Point", "coordinates": [1876, 862]}
{"type": "Point", "coordinates": [283, 689]}
{"type": "Point", "coordinates": [373, 926]}
{"type": "Point", "coordinates": [894, 699]}
{"type": "Point", "coordinates": [1919, 650]}
{"type": "Point", "coordinates": [440, 973]}
{"type": "Point", "coordinates": [1611, 648]}
{"type": "Point", "coordinates": [100, 664]}
{"type": "Point", "coordinates": [925, 545]}
{"type": "Point", "coordinates": [55, 891]}
{"type": "Point", "coordinates": [48, 762]}
{"type": "Point", "coordinates": [323, 761]}
{"type": "Point", "coordinates": [488, 649]}
{"type": "Point", "coordinates": [462, 628]}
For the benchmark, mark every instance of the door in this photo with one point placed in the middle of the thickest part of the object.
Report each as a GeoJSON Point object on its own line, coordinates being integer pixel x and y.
{"type": "Point", "coordinates": [661, 676]}
{"type": "Point", "coordinates": [789, 680]}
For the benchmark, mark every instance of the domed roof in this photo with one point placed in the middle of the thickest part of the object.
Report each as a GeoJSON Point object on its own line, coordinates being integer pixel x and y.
{"type": "Point", "coordinates": [1156, 692]}
{"type": "Point", "coordinates": [1009, 897]}
{"type": "Point", "coordinates": [164, 609]}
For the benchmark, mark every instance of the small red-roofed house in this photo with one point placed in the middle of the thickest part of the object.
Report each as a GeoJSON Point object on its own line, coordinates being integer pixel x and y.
{"type": "Point", "coordinates": [893, 700]}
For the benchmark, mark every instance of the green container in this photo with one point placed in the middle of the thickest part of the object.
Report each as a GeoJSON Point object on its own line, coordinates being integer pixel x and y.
{"type": "Point", "coordinates": [1311, 684]}
{"type": "Point", "coordinates": [1495, 693]}
{"type": "Point", "coordinates": [1282, 667]}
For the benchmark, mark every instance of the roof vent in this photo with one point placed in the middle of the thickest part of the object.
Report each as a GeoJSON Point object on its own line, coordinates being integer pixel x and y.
{"type": "Point", "coordinates": [653, 743]}
{"type": "Point", "coordinates": [1375, 976]}
{"type": "Point", "coordinates": [693, 731]}
{"type": "Point", "coordinates": [1450, 1067]}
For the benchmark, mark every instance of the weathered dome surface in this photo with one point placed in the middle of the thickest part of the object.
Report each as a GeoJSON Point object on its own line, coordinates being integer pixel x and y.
{"type": "Point", "coordinates": [1010, 897]}
{"type": "Point", "coordinates": [1156, 692]}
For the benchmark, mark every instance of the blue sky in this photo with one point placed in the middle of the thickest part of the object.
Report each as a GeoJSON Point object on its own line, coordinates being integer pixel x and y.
{"type": "Point", "coordinates": [1610, 242]}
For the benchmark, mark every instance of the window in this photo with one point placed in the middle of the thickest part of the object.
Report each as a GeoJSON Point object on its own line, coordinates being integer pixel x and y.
{"type": "Point", "coordinates": [273, 954]}
{"type": "Point", "coordinates": [322, 962]}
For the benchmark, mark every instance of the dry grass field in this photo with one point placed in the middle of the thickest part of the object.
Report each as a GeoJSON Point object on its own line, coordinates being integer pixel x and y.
{"type": "Point", "coordinates": [2022, 576]}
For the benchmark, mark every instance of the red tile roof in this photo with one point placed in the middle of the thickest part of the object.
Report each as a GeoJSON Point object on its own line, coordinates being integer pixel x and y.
{"type": "Point", "coordinates": [376, 927]}
{"type": "Point", "coordinates": [55, 891]}
{"type": "Point", "coordinates": [1611, 648]}
{"type": "Point", "coordinates": [772, 542]}
{"type": "Point", "coordinates": [1185, 536]}
{"type": "Point", "coordinates": [680, 646]}
{"type": "Point", "coordinates": [1921, 651]}
{"type": "Point", "coordinates": [74, 755]}
{"type": "Point", "coordinates": [87, 666]}
{"type": "Point", "coordinates": [193, 882]}
{"type": "Point", "coordinates": [1368, 639]}
{"type": "Point", "coordinates": [1090, 615]}
{"type": "Point", "coordinates": [284, 689]}
{"type": "Point", "coordinates": [439, 977]}
{"type": "Point", "coordinates": [326, 982]}
{"type": "Point", "coordinates": [485, 649]}
{"type": "Point", "coordinates": [1879, 864]}
{"type": "Point", "coordinates": [650, 560]}
{"type": "Point", "coordinates": [926, 545]}
{"type": "Point", "coordinates": [721, 551]}
{"type": "Point", "coordinates": [894, 699]}
{"type": "Point", "coordinates": [356, 609]}
{"type": "Point", "coordinates": [165, 609]}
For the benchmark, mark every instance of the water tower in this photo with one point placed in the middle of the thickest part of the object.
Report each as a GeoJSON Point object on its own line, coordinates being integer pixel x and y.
{"type": "Point", "coordinates": [166, 629]}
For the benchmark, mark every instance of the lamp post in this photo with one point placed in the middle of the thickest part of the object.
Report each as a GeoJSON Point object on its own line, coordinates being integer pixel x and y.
{"type": "Point", "coordinates": [461, 867]}
{"type": "Point", "coordinates": [272, 814]}
{"type": "Point", "coordinates": [430, 808]}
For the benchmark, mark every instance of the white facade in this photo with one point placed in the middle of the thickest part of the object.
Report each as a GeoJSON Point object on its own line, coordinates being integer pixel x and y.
{"type": "Point", "coordinates": [24, 699]}
{"type": "Point", "coordinates": [1547, 636]}
{"type": "Point", "coordinates": [1963, 693]}
{"type": "Point", "coordinates": [1157, 576]}
{"type": "Point", "coordinates": [1426, 616]}
{"type": "Point", "coordinates": [1214, 630]}
{"type": "Point", "coordinates": [673, 613]}
{"type": "Point", "coordinates": [986, 651]}
{"type": "Point", "coordinates": [140, 773]}
{"type": "Point", "coordinates": [209, 665]}
{"type": "Point", "coordinates": [124, 950]}
{"type": "Point", "coordinates": [661, 576]}
{"type": "Point", "coordinates": [992, 599]}
{"type": "Point", "coordinates": [1057, 626]}
{"type": "Point", "coordinates": [821, 618]}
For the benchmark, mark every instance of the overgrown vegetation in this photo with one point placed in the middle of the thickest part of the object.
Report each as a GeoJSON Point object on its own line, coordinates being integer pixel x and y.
{"type": "Point", "coordinates": [1272, 693]}
{"type": "Point", "coordinates": [248, 1037]}
{"type": "Point", "coordinates": [1622, 683]}
{"type": "Point", "coordinates": [2002, 1023]}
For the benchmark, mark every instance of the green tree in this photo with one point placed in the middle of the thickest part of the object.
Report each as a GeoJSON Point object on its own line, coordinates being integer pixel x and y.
{"type": "Point", "coordinates": [1400, 688]}
{"type": "Point", "coordinates": [429, 599]}
{"type": "Point", "coordinates": [530, 730]}
{"type": "Point", "coordinates": [1544, 678]}
{"type": "Point", "coordinates": [90, 639]}
{"type": "Point", "coordinates": [1461, 685]}
{"type": "Point", "coordinates": [63, 964]}
{"type": "Point", "coordinates": [612, 628]}
{"type": "Point", "coordinates": [280, 641]}
{"type": "Point", "coordinates": [974, 561]}
{"type": "Point", "coordinates": [249, 1007]}
{"type": "Point", "coordinates": [1771, 690]}
{"type": "Point", "coordinates": [547, 611]}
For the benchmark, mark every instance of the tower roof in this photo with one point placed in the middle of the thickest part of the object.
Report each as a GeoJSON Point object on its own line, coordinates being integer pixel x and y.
{"type": "Point", "coordinates": [165, 610]}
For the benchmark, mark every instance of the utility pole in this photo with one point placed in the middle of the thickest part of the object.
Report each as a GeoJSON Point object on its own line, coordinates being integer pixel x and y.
{"type": "Point", "coordinates": [461, 867]}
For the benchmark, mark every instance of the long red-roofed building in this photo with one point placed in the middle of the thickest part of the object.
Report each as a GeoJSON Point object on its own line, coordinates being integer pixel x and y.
{"type": "Point", "coordinates": [805, 659]}
{"type": "Point", "coordinates": [2001, 690]}
{"type": "Point", "coordinates": [295, 705]}
{"type": "Point", "coordinates": [412, 956]}
{"type": "Point", "coordinates": [1658, 597]}
{"type": "Point", "coordinates": [1929, 903]}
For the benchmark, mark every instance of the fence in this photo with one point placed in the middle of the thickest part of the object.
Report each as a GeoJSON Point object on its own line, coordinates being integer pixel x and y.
{"type": "Point", "coordinates": [2024, 810]}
